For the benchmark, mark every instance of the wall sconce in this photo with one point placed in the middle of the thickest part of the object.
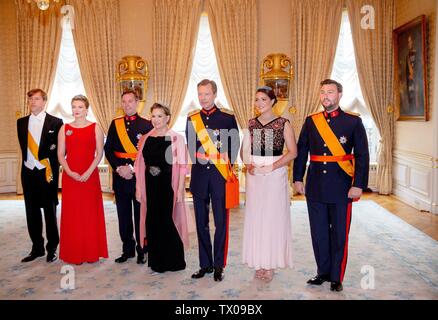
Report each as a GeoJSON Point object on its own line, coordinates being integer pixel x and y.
{"type": "Point", "coordinates": [133, 74]}
{"type": "Point", "coordinates": [42, 4]}
{"type": "Point", "coordinates": [276, 72]}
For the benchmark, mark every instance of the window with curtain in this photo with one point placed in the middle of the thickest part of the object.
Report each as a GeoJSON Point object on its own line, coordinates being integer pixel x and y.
{"type": "Point", "coordinates": [204, 67]}
{"type": "Point", "coordinates": [68, 80]}
{"type": "Point", "coordinates": [345, 72]}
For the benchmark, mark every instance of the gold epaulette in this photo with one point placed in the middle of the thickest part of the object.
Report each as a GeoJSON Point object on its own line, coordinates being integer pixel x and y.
{"type": "Point", "coordinates": [353, 113]}
{"type": "Point", "coordinates": [146, 118]}
{"type": "Point", "coordinates": [191, 113]}
{"type": "Point", "coordinates": [312, 114]}
{"type": "Point", "coordinates": [227, 111]}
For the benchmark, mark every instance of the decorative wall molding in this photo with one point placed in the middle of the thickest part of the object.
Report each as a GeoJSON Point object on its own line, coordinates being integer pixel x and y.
{"type": "Point", "coordinates": [413, 179]}
{"type": "Point", "coordinates": [9, 168]}
{"type": "Point", "coordinates": [8, 172]}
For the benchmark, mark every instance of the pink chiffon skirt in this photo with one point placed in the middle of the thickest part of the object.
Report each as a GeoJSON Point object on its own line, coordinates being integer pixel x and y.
{"type": "Point", "coordinates": [267, 233]}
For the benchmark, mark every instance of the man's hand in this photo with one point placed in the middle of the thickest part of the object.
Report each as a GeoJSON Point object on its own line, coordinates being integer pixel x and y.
{"type": "Point", "coordinates": [299, 187]}
{"type": "Point", "coordinates": [354, 193]}
{"type": "Point", "coordinates": [125, 172]}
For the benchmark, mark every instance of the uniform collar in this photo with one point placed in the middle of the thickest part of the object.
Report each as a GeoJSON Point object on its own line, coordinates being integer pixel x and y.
{"type": "Point", "coordinates": [131, 118]}
{"type": "Point", "coordinates": [209, 112]}
{"type": "Point", "coordinates": [332, 114]}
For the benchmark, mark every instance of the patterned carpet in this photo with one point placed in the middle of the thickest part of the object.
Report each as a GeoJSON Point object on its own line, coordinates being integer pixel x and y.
{"type": "Point", "coordinates": [388, 259]}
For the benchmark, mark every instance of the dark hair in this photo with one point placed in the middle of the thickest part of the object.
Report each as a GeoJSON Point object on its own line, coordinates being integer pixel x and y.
{"type": "Point", "coordinates": [206, 82]}
{"type": "Point", "coordinates": [33, 92]}
{"type": "Point", "coordinates": [82, 98]}
{"type": "Point", "coordinates": [269, 92]}
{"type": "Point", "coordinates": [127, 91]}
{"type": "Point", "coordinates": [165, 109]}
{"type": "Point", "coordinates": [330, 81]}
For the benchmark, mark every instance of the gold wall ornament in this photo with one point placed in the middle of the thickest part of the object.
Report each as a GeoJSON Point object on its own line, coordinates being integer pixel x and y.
{"type": "Point", "coordinates": [42, 4]}
{"type": "Point", "coordinates": [133, 74]}
{"type": "Point", "coordinates": [276, 72]}
{"type": "Point", "coordinates": [293, 110]}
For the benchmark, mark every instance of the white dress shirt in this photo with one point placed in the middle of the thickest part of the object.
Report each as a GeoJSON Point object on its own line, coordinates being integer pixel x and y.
{"type": "Point", "coordinates": [35, 128]}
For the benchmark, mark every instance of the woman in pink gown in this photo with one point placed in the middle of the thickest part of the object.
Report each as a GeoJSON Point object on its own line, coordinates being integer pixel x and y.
{"type": "Point", "coordinates": [80, 149]}
{"type": "Point", "coordinates": [267, 235]}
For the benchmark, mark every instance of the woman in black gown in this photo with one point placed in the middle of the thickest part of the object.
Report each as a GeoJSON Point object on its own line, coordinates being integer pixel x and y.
{"type": "Point", "coordinates": [163, 179]}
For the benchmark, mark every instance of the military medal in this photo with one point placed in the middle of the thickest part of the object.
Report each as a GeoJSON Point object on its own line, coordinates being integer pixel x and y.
{"type": "Point", "coordinates": [216, 132]}
{"type": "Point", "coordinates": [139, 136]}
{"type": "Point", "coordinates": [343, 140]}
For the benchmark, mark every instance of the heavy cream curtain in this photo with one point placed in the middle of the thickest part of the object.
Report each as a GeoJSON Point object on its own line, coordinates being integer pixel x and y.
{"type": "Point", "coordinates": [233, 25]}
{"type": "Point", "coordinates": [39, 39]}
{"type": "Point", "coordinates": [315, 31]}
{"type": "Point", "coordinates": [373, 51]}
{"type": "Point", "coordinates": [97, 35]}
{"type": "Point", "coordinates": [175, 30]}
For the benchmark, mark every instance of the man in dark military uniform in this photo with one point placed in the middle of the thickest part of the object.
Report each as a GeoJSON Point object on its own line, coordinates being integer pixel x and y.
{"type": "Point", "coordinates": [121, 150]}
{"type": "Point", "coordinates": [335, 178]}
{"type": "Point", "coordinates": [207, 178]}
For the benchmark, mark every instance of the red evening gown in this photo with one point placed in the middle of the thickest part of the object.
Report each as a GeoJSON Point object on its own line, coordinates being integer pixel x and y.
{"type": "Point", "coordinates": [83, 235]}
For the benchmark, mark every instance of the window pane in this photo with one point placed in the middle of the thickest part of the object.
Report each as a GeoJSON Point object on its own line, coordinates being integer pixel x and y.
{"type": "Point", "coordinates": [204, 67]}
{"type": "Point", "coordinates": [68, 80]}
{"type": "Point", "coordinates": [344, 71]}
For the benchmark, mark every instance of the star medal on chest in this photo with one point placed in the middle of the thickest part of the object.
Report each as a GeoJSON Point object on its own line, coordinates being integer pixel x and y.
{"type": "Point", "coordinates": [343, 140]}
{"type": "Point", "coordinates": [218, 144]}
{"type": "Point", "coordinates": [139, 136]}
{"type": "Point", "coordinates": [216, 132]}
{"type": "Point", "coordinates": [69, 132]}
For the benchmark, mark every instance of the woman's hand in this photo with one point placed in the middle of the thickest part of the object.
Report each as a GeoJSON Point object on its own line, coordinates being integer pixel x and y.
{"type": "Point", "coordinates": [85, 176]}
{"type": "Point", "coordinates": [74, 175]}
{"type": "Point", "coordinates": [250, 169]}
{"type": "Point", "coordinates": [264, 169]}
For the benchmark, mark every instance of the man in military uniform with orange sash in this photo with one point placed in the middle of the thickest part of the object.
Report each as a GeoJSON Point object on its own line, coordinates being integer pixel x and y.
{"type": "Point", "coordinates": [121, 151]}
{"type": "Point", "coordinates": [337, 175]}
{"type": "Point", "coordinates": [213, 144]}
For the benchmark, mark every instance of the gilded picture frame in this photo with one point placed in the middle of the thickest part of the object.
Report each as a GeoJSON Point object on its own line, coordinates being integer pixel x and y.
{"type": "Point", "coordinates": [410, 70]}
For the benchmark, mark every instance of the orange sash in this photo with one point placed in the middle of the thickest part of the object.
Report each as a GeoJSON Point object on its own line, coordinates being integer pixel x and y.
{"type": "Point", "coordinates": [33, 147]}
{"type": "Point", "coordinates": [127, 144]}
{"type": "Point", "coordinates": [223, 165]}
{"type": "Point", "coordinates": [332, 142]}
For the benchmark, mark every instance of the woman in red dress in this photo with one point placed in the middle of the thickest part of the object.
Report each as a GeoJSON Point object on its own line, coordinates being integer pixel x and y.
{"type": "Point", "coordinates": [80, 149]}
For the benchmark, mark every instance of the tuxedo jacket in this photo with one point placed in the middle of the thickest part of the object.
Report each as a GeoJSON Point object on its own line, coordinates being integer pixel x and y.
{"type": "Point", "coordinates": [48, 146]}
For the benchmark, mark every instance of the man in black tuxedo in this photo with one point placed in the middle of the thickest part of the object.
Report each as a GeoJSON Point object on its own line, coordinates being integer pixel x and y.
{"type": "Point", "coordinates": [120, 151]}
{"type": "Point", "coordinates": [38, 135]}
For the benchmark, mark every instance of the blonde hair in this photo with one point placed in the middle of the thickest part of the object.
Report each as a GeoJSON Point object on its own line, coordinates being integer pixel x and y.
{"type": "Point", "coordinates": [82, 98]}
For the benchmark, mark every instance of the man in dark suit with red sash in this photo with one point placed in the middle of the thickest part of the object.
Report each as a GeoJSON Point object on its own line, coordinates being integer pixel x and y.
{"type": "Point", "coordinates": [337, 175]}
{"type": "Point", "coordinates": [121, 151]}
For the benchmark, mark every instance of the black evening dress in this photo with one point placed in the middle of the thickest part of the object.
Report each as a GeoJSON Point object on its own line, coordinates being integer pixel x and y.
{"type": "Point", "coordinates": [165, 248]}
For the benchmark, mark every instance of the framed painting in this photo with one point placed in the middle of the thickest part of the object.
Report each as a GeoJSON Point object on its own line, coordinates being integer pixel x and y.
{"type": "Point", "coordinates": [410, 70]}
